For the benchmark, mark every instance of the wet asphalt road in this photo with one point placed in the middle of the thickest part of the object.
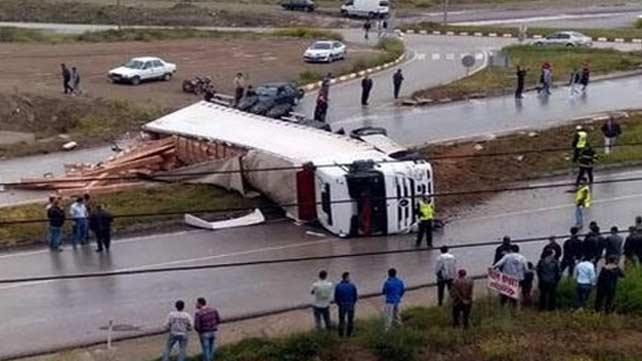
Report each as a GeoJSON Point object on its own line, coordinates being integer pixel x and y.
{"type": "Point", "coordinates": [81, 307]}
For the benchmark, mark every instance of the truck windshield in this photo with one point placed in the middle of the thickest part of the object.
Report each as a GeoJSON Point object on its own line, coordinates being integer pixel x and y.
{"type": "Point", "coordinates": [134, 64]}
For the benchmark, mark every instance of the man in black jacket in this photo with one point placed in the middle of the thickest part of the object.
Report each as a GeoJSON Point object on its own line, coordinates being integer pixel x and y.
{"type": "Point", "coordinates": [56, 217]}
{"type": "Point", "coordinates": [548, 275]}
{"type": "Point", "coordinates": [100, 222]}
{"type": "Point", "coordinates": [593, 244]}
{"type": "Point", "coordinates": [572, 252]}
{"type": "Point", "coordinates": [585, 161]}
{"type": "Point", "coordinates": [366, 87]}
{"type": "Point", "coordinates": [397, 79]}
{"type": "Point", "coordinates": [66, 79]}
{"type": "Point", "coordinates": [611, 130]}
{"type": "Point", "coordinates": [502, 249]}
{"type": "Point", "coordinates": [554, 247]}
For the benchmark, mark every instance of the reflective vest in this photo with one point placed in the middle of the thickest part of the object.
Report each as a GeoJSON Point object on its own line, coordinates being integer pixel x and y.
{"type": "Point", "coordinates": [426, 211]}
{"type": "Point", "coordinates": [581, 139]}
{"type": "Point", "coordinates": [583, 196]}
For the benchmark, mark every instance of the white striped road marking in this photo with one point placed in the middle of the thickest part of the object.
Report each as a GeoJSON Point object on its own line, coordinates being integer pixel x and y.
{"type": "Point", "coordinates": [479, 56]}
{"type": "Point", "coordinates": [420, 56]}
{"type": "Point", "coordinates": [436, 56]}
{"type": "Point", "coordinates": [450, 56]}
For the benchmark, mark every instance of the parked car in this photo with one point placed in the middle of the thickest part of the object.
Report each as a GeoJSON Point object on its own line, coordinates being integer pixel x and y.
{"type": "Point", "coordinates": [566, 38]}
{"type": "Point", "coordinates": [303, 5]}
{"type": "Point", "coordinates": [141, 69]}
{"type": "Point", "coordinates": [274, 100]}
{"type": "Point", "coordinates": [366, 8]}
{"type": "Point", "coordinates": [325, 51]}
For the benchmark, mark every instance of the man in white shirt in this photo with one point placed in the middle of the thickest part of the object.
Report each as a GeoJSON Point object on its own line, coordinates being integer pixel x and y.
{"type": "Point", "coordinates": [78, 212]}
{"type": "Point", "coordinates": [585, 278]}
{"type": "Point", "coordinates": [322, 290]}
{"type": "Point", "coordinates": [445, 270]}
{"type": "Point", "coordinates": [512, 264]}
{"type": "Point", "coordinates": [179, 323]}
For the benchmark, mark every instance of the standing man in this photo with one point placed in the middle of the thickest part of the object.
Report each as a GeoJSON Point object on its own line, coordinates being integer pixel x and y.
{"type": "Point", "coordinates": [239, 88]}
{"type": "Point", "coordinates": [586, 161]}
{"type": "Point", "coordinates": [78, 212]}
{"type": "Point", "coordinates": [393, 290]}
{"type": "Point", "coordinates": [607, 284]}
{"type": "Point", "coordinates": [346, 296]}
{"type": "Point", "coordinates": [580, 141]}
{"type": "Point", "coordinates": [502, 249]}
{"type": "Point", "coordinates": [512, 264]}
{"type": "Point", "coordinates": [321, 108]}
{"type": "Point", "coordinates": [548, 275]}
{"type": "Point", "coordinates": [584, 77]}
{"type": "Point", "coordinates": [572, 252]}
{"type": "Point", "coordinates": [574, 81]}
{"type": "Point", "coordinates": [56, 217]}
{"type": "Point", "coordinates": [633, 245]}
{"type": "Point", "coordinates": [462, 296]}
{"type": "Point", "coordinates": [521, 79]}
{"type": "Point", "coordinates": [611, 130]}
{"type": "Point", "coordinates": [66, 79]}
{"type": "Point", "coordinates": [206, 321]}
{"type": "Point", "coordinates": [322, 292]}
{"type": "Point", "coordinates": [582, 202]}
{"type": "Point", "coordinates": [75, 81]}
{"type": "Point", "coordinates": [445, 270]}
{"type": "Point", "coordinates": [325, 86]}
{"type": "Point", "coordinates": [366, 28]}
{"type": "Point", "coordinates": [554, 247]}
{"type": "Point", "coordinates": [613, 244]}
{"type": "Point", "coordinates": [397, 79]}
{"type": "Point", "coordinates": [426, 215]}
{"type": "Point", "coordinates": [547, 78]}
{"type": "Point", "coordinates": [366, 87]}
{"type": "Point", "coordinates": [179, 324]}
{"type": "Point", "coordinates": [100, 222]}
{"type": "Point", "coordinates": [585, 279]}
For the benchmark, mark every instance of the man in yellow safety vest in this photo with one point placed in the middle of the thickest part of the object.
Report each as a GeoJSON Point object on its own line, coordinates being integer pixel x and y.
{"type": "Point", "coordinates": [580, 141]}
{"type": "Point", "coordinates": [426, 214]}
{"type": "Point", "coordinates": [582, 201]}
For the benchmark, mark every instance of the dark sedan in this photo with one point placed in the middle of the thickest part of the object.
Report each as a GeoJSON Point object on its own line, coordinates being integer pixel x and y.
{"type": "Point", "coordinates": [274, 100]}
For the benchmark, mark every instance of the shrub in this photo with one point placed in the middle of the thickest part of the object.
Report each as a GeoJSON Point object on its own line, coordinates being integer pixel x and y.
{"type": "Point", "coordinates": [309, 76]}
{"type": "Point", "coordinates": [307, 33]}
{"type": "Point", "coordinates": [400, 344]}
{"type": "Point", "coordinates": [638, 24]}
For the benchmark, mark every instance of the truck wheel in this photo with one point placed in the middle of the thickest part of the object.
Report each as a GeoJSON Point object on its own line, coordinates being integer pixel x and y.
{"type": "Point", "coordinates": [136, 80]}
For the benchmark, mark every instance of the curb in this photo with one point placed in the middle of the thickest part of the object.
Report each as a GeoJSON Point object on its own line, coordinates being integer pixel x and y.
{"type": "Point", "coordinates": [511, 35]}
{"type": "Point", "coordinates": [505, 92]}
{"type": "Point", "coordinates": [156, 332]}
{"type": "Point", "coordinates": [351, 76]}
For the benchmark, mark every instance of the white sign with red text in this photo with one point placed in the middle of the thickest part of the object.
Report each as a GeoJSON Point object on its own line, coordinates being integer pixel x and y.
{"type": "Point", "coordinates": [503, 284]}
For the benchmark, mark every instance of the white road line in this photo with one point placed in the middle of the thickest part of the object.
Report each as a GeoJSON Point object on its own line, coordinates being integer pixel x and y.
{"type": "Point", "coordinates": [537, 18]}
{"type": "Point", "coordinates": [421, 56]}
{"type": "Point", "coordinates": [436, 56]}
{"type": "Point", "coordinates": [450, 56]}
{"type": "Point", "coordinates": [190, 260]}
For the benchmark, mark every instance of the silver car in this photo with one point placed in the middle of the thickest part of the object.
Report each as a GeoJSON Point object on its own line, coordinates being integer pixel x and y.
{"type": "Point", "coordinates": [565, 38]}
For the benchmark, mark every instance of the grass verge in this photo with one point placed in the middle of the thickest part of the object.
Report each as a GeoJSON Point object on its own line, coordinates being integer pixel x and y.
{"type": "Point", "coordinates": [153, 199]}
{"type": "Point", "coordinates": [391, 49]}
{"type": "Point", "coordinates": [496, 171]}
{"type": "Point", "coordinates": [307, 33]}
{"type": "Point", "coordinates": [496, 80]}
{"type": "Point", "coordinates": [624, 33]}
{"type": "Point", "coordinates": [496, 335]}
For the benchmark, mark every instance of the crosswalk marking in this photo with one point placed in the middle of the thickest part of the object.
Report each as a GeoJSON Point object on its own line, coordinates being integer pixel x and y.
{"type": "Point", "coordinates": [436, 56]}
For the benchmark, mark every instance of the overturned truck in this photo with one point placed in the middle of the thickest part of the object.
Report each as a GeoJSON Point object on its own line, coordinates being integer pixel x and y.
{"type": "Point", "coordinates": [349, 186]}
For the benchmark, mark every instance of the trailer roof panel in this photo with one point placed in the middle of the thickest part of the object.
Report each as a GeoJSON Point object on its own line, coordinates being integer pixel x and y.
{"type": "Point", "coordinates": [294, 142]}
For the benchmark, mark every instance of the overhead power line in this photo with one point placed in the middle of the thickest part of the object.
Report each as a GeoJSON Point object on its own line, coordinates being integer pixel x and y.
{"type": "Point", "coordinates": [289, 205]}
{"type": "Point", "coordinates": [161, 177]}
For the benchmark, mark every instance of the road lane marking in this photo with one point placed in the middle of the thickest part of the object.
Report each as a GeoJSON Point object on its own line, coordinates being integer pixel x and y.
{"type": "Point", "coordinates": [189, 260]}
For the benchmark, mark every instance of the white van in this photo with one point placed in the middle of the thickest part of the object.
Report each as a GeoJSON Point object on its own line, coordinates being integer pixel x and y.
{"type": "Point", "coordinates": [366, 8]}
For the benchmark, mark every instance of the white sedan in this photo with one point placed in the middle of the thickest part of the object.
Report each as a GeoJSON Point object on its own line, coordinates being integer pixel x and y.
{"type": "Point", "coordinates": [325, 51]}
{"type": "Point", "coordinates": [566, 38]}
{"type": "Point", "coordinates": [140, 69]}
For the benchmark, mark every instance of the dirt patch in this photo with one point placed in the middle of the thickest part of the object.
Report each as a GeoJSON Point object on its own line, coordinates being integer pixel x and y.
{"type": "Point", "coordinates": [178, 14]}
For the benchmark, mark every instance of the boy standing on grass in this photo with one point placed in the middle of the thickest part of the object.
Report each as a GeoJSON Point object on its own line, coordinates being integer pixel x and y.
{"type": "Point", "coordinates": [462, 296]}
{"type": "Point", "coordinates": [393, 290]}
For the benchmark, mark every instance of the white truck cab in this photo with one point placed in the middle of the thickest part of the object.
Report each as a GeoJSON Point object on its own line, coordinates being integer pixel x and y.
{"type": "Point", "coordinates": [366, 8]}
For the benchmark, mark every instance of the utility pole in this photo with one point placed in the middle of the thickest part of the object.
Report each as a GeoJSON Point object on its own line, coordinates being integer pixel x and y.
{"type": "Point", "coordinates": [445, 12]}
{"type": "Point", "coordinates": [120, 15]}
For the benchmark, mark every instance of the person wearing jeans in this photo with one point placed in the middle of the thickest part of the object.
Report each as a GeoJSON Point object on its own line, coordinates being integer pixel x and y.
{"type": "Point", "coordinates": [345, 296]}
{"type": "Point", "coordinates": [322, 292]}
{"type": "Point", "coordinates": [445, 270]}
{"type": "Point", "coordinates": [179, 324]}
{"type": "Point", "coordinates": [393, 290]}
{"type": "Point", "coordinates": [611, 131]}
{"type": "Point", "coordinates": [206, 322]}
{"type": "Point", "coordinates": [78, 212]}
{"type": "Point", "coordinates": [585, 279]}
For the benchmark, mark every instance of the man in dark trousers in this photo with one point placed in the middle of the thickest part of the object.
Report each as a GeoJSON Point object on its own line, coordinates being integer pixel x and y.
{"type": "Point", "coordinates": [586, 161]}
{"type": "Point", "coordinates": [611, 130]}
{"type": "Point", "coordinates": [554, 247]}
{"type": "Point", "coordinates": [321, 109]}
{"type": "Point", "coordinates": [426, 215]}
{"type": "Point", "coordinates": [66, 79]}
{"type": "Point", "coordinates": [366, 87]}
{"type": "Point", "coordinates": [397, 79]}
{"type": "Point", "coordinates": [346, 296]}
{"type": "Point", "coordinates": [502, 249]}
{"type": "Point", "coordinates": [521, 78]}
{"type": "Point", "coordinates": [548, 276]}
{"type": "Point", "coordinates": [366, 28]}
{"type": "Point", "coordinates": [572, 252]}
{"type": "Point", "coordinates": [100, 222]}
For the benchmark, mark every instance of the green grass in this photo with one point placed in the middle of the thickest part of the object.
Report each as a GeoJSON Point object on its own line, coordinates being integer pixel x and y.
{"type": "Point", "coordinates": [498, 79]}
{"type": "Point", "coordinates": [496, 335]}
{"type": "Point", "coordinates": [165, 198]}
{"type": "Point", "coordinates": [624, 33]}
{"type": "Point", "coordinates": [308, 33]}
{"type": "Point", "coordinates": [638, 24]}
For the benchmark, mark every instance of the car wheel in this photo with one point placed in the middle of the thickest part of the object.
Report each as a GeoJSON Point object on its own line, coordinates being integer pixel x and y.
{"type": "Point", "coordinates": [167, 77]}
{"type": "Point", "coordinates": [570, 45]}
{"type": "Point", "coordinates": [136, 80]}
{"type": "Point", "coordinates": [539, 43]}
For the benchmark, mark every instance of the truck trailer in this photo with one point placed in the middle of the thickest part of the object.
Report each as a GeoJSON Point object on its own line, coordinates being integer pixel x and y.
{"type": "Point", "coordinates": [351, 185]}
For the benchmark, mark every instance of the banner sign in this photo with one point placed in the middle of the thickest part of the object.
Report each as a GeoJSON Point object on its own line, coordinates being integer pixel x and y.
{"type": "Point", "coordinates": [503, 284]}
